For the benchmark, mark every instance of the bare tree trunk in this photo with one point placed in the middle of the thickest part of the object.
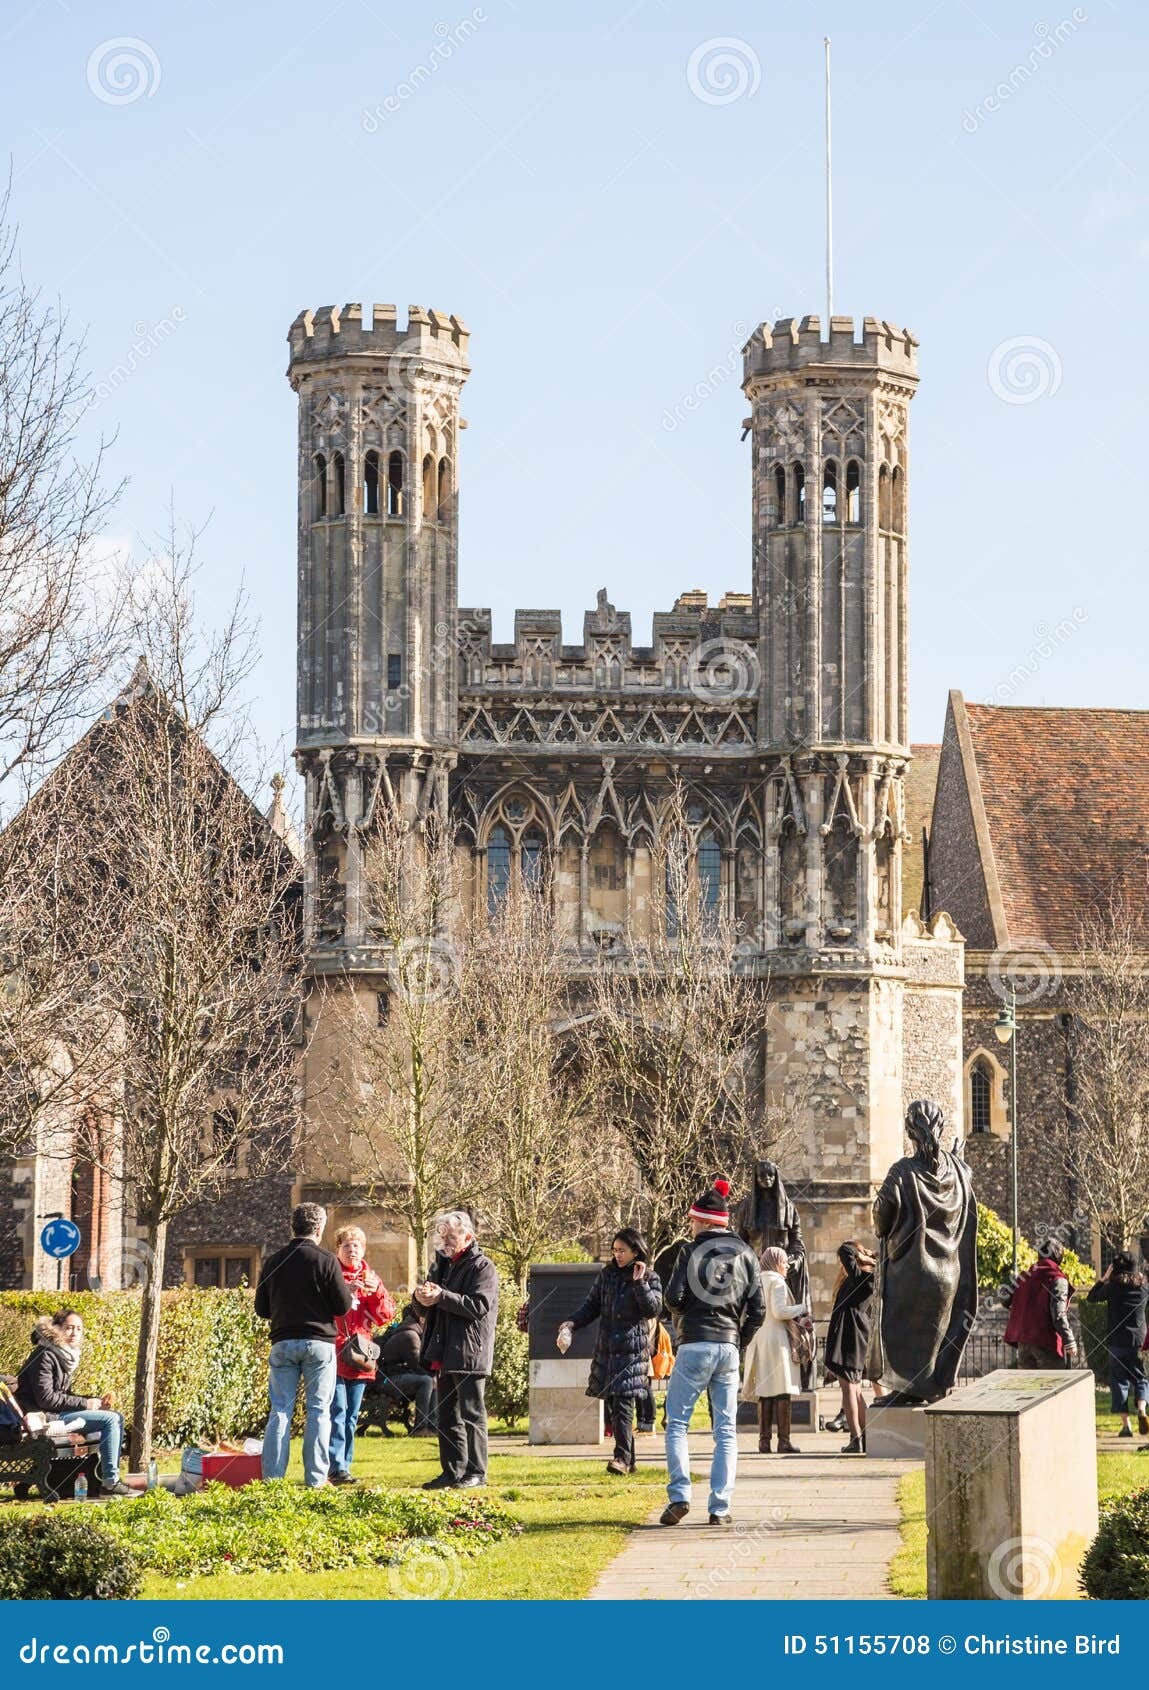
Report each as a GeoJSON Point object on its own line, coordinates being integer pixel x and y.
{"type": "Point", "coordinates": [144, 1406]}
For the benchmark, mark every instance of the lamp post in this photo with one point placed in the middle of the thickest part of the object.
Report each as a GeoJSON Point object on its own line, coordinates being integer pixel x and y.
{"type": "Point", "coordinates": [1005, 1028]}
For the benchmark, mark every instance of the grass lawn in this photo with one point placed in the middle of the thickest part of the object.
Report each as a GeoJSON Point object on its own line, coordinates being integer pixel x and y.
{"type": "Point", "coordinates": [575, 1518]}
{"type": "Point", "coordinates": [1117, 1472]}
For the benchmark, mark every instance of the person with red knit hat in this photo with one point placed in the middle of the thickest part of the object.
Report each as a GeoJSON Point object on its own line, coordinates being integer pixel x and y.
{"type": "Point", "coordinates": [715, 1296]}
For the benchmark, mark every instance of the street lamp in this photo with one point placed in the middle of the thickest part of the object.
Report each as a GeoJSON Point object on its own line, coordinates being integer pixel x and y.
{"type": "Point", "coordinates": [1005, 1029]}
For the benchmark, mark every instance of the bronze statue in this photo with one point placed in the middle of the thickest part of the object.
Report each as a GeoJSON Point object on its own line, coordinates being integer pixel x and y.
{"type": "Point", "coordinates": [925, 1217]}
{"type": "Point", "coordinates": [767, 1216]}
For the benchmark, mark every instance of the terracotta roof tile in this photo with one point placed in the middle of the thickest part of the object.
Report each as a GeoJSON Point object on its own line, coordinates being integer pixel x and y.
{"type": "Point", "coordinates": [1066, 796]}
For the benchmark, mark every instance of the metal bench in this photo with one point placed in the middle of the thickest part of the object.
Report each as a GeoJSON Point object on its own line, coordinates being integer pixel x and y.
{"type": "Point", "coordinates": [34, 1461]}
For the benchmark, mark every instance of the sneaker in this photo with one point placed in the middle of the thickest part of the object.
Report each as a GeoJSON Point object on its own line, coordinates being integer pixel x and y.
{"type": "Point", "coordinates": [619, 1467]}
{"type": "Point", "coordinates": [674, 1513]}
{"type": "Point", "coordinates": [441, 1482]}
{"type": "Point", "coordinates": [722, 1519]}
{"type": "Point", "coordinates": [121, 1489]}
{"type": "Point", "coordinates": [342, 1479]}
{"type": "Point", "coordinates": [471, 1481]}
{"type": "Point", "coordinates": [1127, 1432]}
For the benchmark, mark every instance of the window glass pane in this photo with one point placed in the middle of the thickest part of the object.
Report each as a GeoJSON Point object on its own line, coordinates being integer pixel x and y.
{"type": "Point", "coordinates": [709, 871]}
{"type": "Point", "coordinates": [237, 1272]}
{"type": "Point", "coordinates": [979, 1098]}
{"type": "Point", "coordinates": [205, 1271]}
{"type": "Point", "coordinates": [532, 858]}
{"type": "Point", "coordinates": [498, 867]}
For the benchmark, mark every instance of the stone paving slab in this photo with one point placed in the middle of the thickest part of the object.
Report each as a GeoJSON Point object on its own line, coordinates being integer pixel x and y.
{"type": "Point", "coordinates": [818, 1524]}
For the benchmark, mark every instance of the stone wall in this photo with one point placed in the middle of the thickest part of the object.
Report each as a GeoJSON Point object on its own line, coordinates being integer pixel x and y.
{"type": "Point", "coordinates": [253, 1214]}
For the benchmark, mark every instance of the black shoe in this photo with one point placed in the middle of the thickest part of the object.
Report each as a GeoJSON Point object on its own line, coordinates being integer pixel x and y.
{"type": "Point", "coordinates": [674, 1513]}
{"type": "Point", "coordinates": [471, 1481]}
{"type": "Point", "coordinates": [1125, 1432]}
{"type": "Point", "coordinates": [342, 1479]}
{"type": "Point", "coordinates": [722, 1519]}
{"type": "Point", "coordinates": [854, 1447]}
{"type": "Point", "coordinates": [442, 1482]}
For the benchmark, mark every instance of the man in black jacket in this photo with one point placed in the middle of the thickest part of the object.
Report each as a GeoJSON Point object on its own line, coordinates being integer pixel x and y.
{"type": "Point", "coordinates": [715, 1295]}
{"type": "Point", "coordinates": [462, 1295]}
{"type": "Point", "coordinates": [301, 1290]}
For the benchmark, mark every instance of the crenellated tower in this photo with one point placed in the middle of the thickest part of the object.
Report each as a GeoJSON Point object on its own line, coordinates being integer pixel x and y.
{"type": "Point", "coordinates": [378, 582]}
{"type": "Point", "coordinates": [829, 422]}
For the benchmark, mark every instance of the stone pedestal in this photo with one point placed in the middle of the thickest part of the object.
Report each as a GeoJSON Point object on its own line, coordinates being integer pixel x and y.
{"type": "Point", "coordinates": [560, 1410]}
{"type": "Point", "coordinates": [896, 1433]}
{"type": "Point", "coordinates": [1011, 1486]}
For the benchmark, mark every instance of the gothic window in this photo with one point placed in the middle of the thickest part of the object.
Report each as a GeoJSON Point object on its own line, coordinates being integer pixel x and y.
{"type": "Point", "coordinates": [371, 484]}
{"type": "Point", "coordinates": [842, 879]}
{"type": "Point", "coordinates": [498, 867]}
{"type": "Point", "coordinates": [395, 484]}
{"type": "Point", "coordinates": [898, 502]}
{"type": "Point", "coordinates": [428, 488]}
{"type": "Point", "coordinates": [606, 874]}
{"type": "Point", "coordinates": [531, 858]}
{"type": "Point", "coordinates": [792, 871]}
{"type": "Point", "coordinates": [709, 875]}
{"type": "Point", "coordinates": [319, 488]}
{"type": "Point", "coordinates": [779, 495]}
{"type": "Point", "coordinates": [830, 491]}
{"type": "Point", "coordinates": [799, 493]}
{"type": "Point", "coordinates": [746, 883]}
{"type": "Point", "coordinates": [394, 670]}
{"type": "Point", "coordinates": [853, 492]}
{"type": "Point", "coordinates": [340, 488]}
{"type": "Point", "coordinates": [884, 496]}
{"type": "Point", "coordinates": [225, 1139]}
{"type": "Point", "coordinates": [980, 1098]}
{"type": "Point", "coordinates": [444, 489]}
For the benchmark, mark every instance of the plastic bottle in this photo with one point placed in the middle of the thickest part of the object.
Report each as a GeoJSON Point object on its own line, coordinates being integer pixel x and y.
{"type": "Point", "coordinates": [80, 1493]}
{"type": "Point", "coordinates": [153, 1474]}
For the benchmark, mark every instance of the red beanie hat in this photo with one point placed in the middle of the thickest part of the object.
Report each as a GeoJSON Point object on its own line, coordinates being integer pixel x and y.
{"type": "Point", "coordinates": [714, 1204]}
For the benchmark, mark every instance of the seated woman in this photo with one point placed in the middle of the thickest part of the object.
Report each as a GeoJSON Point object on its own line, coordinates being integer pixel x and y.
{"type": "Point", "coordinates": [43, 1383]}
{"type": "Point", "coordinates": [401, 1365]}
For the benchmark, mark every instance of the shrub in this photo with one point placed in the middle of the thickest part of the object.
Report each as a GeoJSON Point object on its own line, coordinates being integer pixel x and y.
{"type": "Point", "coordinates": [59, 1555]}
{"type": "Point", "coordinates": [278, 1526]}
{"type": "Point", "coordinates": [1116, 1564]}
{"type": "Point", "coordinates": [995, 1250]}
{"type": "Point", "coordinates": [508, 1388]}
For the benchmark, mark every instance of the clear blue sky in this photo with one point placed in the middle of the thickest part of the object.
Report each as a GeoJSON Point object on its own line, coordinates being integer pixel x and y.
{"type": "Point", "coordinates": [610, 236]}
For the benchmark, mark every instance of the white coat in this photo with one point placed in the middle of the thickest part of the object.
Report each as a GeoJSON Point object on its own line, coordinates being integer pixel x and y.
{"type": "Point", "coordinates": [768, 1370]}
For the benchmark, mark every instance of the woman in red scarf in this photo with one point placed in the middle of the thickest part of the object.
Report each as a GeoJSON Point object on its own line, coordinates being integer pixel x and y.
{"type": "Point", "coordinates": [373, 1306]}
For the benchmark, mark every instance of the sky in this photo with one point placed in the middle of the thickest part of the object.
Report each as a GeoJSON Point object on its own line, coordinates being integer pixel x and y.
{"type": "Point", "coordinates": [611, 197]}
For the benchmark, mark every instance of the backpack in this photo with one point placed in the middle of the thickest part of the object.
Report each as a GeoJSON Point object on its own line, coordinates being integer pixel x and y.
{"type": "Point", "coordinates": [662, 1356]}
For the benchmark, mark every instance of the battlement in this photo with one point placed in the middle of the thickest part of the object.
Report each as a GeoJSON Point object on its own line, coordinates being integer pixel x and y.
{"type": "Point", "coordinates": [789, 346]}
{"type": "Point", "coordinates": [340, 332]}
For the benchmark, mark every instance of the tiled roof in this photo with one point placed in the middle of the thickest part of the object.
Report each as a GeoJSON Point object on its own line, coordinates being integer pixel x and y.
{"type": "Point", "coordinates": [921, 781]}
{"type": "Point", "coordinates": [1066, 796]}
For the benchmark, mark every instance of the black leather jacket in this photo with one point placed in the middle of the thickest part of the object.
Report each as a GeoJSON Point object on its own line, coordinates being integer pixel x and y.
{"type": "Point", "coordinates": [715, 1291]}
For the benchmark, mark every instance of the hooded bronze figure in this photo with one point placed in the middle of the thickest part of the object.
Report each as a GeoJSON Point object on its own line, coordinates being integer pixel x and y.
{"type": "Point", "coordinates": [925, 1217]}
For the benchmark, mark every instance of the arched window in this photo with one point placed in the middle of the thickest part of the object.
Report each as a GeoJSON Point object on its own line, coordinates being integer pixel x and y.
{"type": "Point", "coordinates": [395, 484]}
{"type": "Point", "coordinates": [884, 496]}
{"type": "Point", "coordinates": [980, 1098]}
{"type": "Point", "coordinates": [428, 488]}
{"type": "Point", "coordinates": [779, 496]}
{"type": "Point", "coordinates": [709, 874]}
{"type": "Point", "coordinates": [498, 867]}
{"type": "Point", "coordinates": [444, 489]}
{"type": "Point", "coordinates": [319, 487]}
{"type": "Point", "coordinates": [853, 492]}
{"type": "Point", "coordinates": [830, 491]}
{"type": "Point", "coordinates": [371, 484]}
{"type": "Point", "coordinates": [531, 858]}
{"type": "Point", "coordinates": [340, 488]}
{"type": "Point", "coordinates": [799, 493]}
{"type": "Point", "coordinates": [898, 502]}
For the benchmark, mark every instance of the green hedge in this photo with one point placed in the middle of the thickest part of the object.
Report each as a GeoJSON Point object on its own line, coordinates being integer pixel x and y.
{"type": "Point", "coordinates": [211, 1374]}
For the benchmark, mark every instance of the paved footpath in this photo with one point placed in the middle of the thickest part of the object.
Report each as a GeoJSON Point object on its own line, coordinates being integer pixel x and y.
{"type": "Point", "coordinates": [815, 1525]}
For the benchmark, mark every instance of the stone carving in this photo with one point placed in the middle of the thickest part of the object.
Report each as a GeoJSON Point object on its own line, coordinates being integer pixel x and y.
{"type": "Point", "coordinates": [925, 1217]}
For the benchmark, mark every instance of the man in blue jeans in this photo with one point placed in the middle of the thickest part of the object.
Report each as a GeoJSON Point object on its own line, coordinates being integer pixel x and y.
{"type": "Point", "coordinates": [301, 1290]}
{"type": "Point", "coordinates": [715, 1295]}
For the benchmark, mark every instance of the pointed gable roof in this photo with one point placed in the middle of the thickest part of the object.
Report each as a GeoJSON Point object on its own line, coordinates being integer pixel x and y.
{"type": "Point", "coordinates": [1041, 818]}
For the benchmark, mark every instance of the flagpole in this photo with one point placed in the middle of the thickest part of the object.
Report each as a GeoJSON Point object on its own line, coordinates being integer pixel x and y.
{"type": "Point", "coordinates": [829, 201]}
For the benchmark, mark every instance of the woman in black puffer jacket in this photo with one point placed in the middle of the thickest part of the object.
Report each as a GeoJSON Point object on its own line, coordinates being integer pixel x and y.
{"type": "Point", "coordinates": [624, 1299]}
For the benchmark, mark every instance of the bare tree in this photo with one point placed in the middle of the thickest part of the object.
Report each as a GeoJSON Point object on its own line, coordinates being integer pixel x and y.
{"type": "Point", "coordinates": [397, 1118]}
{"type": "Point", "coordinates": [541, 1147]}
{"type": "Point", "coordinates": [677, 1023]}
{"type": "Point", "coordinates": [1105, 1135]}
{"type": "Point", "coordinates": [198, 972]}
{"type": "Point", "coordinates": [59, 636]}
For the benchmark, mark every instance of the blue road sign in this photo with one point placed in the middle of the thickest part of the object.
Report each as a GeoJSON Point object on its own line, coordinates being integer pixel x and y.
{"type": "Point", "coordinates": [60, 1238]}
